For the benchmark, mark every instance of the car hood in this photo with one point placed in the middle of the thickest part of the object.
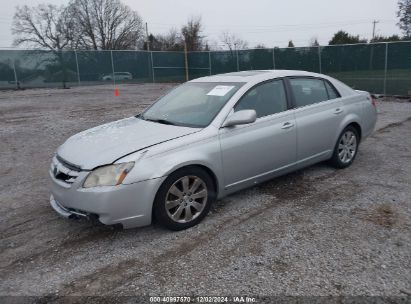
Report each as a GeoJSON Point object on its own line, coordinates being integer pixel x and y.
{"type": "Point", "coordinates": [106, 143]}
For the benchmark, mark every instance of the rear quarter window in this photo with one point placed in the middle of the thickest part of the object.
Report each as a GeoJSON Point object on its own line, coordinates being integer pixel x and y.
{"type": "Point", "coordinates": [332, 92]}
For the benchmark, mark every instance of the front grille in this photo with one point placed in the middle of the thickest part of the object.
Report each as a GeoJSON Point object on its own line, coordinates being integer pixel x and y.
{"type": "Point", "coordinates": [63, 170]}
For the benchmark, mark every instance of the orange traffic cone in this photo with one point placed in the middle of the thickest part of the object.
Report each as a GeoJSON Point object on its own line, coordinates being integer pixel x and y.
{"type": "Point", "coordinates": [116, 92]}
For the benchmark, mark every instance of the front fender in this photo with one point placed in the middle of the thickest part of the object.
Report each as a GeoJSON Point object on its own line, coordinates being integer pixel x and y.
{"type": "Point", "coordinates": [150, 165]}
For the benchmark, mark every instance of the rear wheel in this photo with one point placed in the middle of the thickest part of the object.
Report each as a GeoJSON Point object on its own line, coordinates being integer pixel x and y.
{"type": "Point", "coordinates": [346, 148]}
{"type": "Point", "coordinates": [184, 198]}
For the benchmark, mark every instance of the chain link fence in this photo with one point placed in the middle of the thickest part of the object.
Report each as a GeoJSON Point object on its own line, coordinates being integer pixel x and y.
{"type": "Point", "coordinates": [381, 68]}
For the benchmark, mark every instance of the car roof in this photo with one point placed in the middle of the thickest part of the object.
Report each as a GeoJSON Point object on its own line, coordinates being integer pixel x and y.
{"type": "Point", "coordinates": [255, 76]}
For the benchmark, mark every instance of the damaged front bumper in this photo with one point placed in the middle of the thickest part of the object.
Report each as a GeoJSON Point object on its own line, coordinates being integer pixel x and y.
{"type": "Point", "coordinates": [67, 213]}
{"type": "Point", "coordinates": [129, 205]}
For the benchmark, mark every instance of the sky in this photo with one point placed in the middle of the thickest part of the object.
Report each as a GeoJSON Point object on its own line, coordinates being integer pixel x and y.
{"type": "Point", "coordinates": [268, 22]}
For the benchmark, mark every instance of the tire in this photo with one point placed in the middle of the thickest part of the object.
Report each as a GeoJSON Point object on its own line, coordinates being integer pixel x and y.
{"type": "Point", "coordinates": [346, 148]}
{"type": "Point", "coordinates": [184, 198]}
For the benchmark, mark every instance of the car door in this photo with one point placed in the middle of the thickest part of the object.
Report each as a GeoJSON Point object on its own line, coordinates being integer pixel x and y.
{"type": "Point", "coordinates": [252, 152]}
{"type": "Point", "coordinates": [318, 114]}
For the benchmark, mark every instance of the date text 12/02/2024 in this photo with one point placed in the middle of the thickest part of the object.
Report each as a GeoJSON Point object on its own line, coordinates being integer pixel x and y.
{"type": "Point", "coordinates": [202, 299]}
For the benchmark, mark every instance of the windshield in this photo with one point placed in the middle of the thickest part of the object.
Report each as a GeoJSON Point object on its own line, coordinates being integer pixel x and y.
{"type": "Point", "coordinates": [193, 104]}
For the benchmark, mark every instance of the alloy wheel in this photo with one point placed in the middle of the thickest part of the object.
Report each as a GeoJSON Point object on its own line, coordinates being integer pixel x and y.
{"type": "Point", "coordinates": [347, 147]}
{"type": "Point", "coordinates": [186, 199]}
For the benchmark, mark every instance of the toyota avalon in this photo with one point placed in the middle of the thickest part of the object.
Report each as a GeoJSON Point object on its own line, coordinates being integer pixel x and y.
{"type": "Point", "coordinates": [205, 139]}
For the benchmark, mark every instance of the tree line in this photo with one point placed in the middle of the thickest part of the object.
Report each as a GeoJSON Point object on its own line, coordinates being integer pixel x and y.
{"type": "Point", "coordinates": [112, 25]}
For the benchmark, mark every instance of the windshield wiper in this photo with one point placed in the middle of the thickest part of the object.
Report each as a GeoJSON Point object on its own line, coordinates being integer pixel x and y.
{"type": "Point", "coordinates": [162, 121]}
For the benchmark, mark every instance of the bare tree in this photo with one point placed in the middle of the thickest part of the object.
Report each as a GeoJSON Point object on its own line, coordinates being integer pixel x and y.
{"type": "Point", "coordinates": [404, 13]}
{"type": "Point", "coordinates": [87, 24]}
{"type": "Point", "coordinates": [213, 45]}
{"type": "Point", "coordinates": [314, 42]}
{"type": "Point", "coordinates": [106, 24]}
{"type": "Point", "coordinates": [44, 26]}
{"type": "Point", "coordinates": [232, 42]}
{"type": "Point", "coordinates": [191, 34]}
{"type": "Point", "coordinates": [172, 41]}
{"type": "Point", "coordinates": [260, 46]}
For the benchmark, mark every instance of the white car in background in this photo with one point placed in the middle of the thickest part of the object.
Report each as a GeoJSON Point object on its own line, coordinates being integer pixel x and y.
{"type": "Point", "coordinates": [118, 76]}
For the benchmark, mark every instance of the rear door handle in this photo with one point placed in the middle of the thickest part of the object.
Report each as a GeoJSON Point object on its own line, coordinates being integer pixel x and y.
{"type": "Point", "coordinates": [287, 125]}
{"type": "Point", "coordinates": [338, 111]}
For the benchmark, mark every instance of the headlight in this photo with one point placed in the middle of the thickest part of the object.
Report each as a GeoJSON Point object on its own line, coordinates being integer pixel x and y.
{"type": "Point", "coordinates": [111, 175]}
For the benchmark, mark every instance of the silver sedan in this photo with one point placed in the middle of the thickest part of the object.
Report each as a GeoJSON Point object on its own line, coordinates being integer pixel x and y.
{"type": "Point", "coordinates": [205, 139]}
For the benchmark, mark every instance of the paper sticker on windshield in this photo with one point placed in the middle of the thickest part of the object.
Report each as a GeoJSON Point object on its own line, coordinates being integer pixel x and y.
{"type": "Point", "coordinates": [220, 90]}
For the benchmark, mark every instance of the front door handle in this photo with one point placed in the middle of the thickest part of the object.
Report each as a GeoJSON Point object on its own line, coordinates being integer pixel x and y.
{"type": "Point", "coordinates": [338, 111]}
{"type": "Point", "coordinates": [287, 125]}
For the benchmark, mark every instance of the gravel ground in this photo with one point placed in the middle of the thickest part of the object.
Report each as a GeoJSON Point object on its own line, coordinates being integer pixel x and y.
{"type": "Point", "coordinates": [318, 231]}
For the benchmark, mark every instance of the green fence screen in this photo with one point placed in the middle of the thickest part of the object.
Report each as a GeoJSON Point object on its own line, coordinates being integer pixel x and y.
{"type": "Point", "coordinates": [398, 68]}
{"type": "Point", "coordinates": [306, 59]}
{"type": "Point", "coordinates": [382, 68]}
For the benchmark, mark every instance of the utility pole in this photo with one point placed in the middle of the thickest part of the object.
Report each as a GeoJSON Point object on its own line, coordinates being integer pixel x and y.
{"type": "Point", "coordinates": [148, 40]}
{"type": "Point", "coordinates": [186, 60]}
{"type": "Point", "coordinates": [236, 55]}
{"type": "Point", "coordinates": [374, 23]}
{"type": "Point", "coordinates": [150, 64]}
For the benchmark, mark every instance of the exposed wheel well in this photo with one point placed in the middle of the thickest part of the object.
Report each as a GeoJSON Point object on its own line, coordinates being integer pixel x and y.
{"type": "Point", "coordinates": [357, 127]}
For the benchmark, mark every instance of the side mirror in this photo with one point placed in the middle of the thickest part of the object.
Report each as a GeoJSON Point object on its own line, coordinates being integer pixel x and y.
{"type": "Point", "coordinates": [241, 118]}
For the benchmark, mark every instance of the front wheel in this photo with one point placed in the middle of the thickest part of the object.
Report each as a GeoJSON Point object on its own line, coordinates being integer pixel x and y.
{"type": "Point", "coordinates": [346, 148]}
{"type": "Point", "coordinates": [184, 198]}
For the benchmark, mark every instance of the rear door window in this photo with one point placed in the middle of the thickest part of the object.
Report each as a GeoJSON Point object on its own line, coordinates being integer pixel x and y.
{"type": "Point", "coordinates": [308, 91]}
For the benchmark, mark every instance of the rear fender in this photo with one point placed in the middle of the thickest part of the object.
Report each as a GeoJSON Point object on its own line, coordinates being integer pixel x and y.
{"type": "Point", "coordinates": [349, 119]}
